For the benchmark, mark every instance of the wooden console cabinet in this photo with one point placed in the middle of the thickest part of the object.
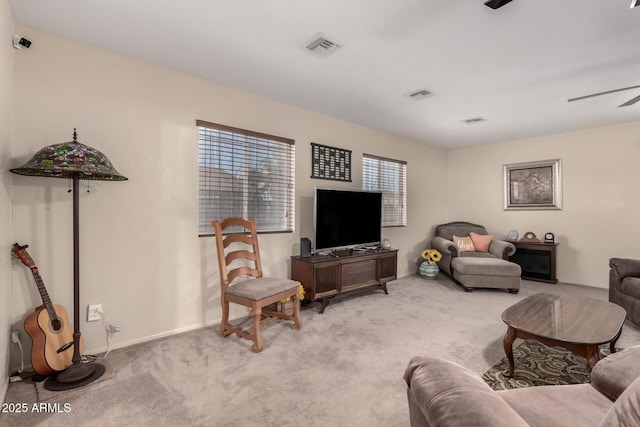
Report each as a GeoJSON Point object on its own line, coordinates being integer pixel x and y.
{"type": "Point", "coordinates": [324, 277]}
{"type": "Point", "coordinates": [537, 261]}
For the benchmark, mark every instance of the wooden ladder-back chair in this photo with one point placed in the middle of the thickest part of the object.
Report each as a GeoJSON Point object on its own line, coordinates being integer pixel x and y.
{"type": "Point", "coordinates": [255, 291]}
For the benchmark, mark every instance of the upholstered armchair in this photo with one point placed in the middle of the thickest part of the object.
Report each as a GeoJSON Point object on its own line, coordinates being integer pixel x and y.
{"type": "Point", "coordinates": [624, 287]}
{"type": "Point", "coordinates": [443, 242]}
{"type": "Point", "coordinates": [444, 394]}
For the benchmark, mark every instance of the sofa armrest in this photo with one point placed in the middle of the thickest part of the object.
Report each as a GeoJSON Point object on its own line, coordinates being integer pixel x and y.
{"type": "Point", "coordinates": [501, 249]}
{"type": "Point", "coordinates": [444, 246]}
{"type": "Point", "coordinates": [626, 409]}
{"type": "Point", "coordinates": [613, 374]}
{"type": "Point", "coordinates": [442, 393]}
{"type": "Point", "coordinates": [622, 267]}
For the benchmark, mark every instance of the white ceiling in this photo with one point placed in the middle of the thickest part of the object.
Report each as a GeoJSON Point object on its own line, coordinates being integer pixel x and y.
{"type": "Point", "coordinates": [515, 66]}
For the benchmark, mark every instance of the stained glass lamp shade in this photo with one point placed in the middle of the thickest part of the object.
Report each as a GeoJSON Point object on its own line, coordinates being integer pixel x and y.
{"type": "Point", "coordinates": [74, 161]}
{"type": "Point", "coordinates": [69, 160]}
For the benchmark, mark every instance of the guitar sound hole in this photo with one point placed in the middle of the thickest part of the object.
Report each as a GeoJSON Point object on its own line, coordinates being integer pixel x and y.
{"type": "Point", "coordinates": [56, 324]}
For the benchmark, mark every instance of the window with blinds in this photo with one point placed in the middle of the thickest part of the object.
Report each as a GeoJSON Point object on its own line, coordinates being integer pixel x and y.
{"type": "Point", "coordinates": [390, 177]}
{"type": "Point", "coordinates": [245, 174]}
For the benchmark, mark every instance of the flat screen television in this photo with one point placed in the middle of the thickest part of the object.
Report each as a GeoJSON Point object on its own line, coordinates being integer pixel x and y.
{"type": "Point", "coordinates": [344, 219]}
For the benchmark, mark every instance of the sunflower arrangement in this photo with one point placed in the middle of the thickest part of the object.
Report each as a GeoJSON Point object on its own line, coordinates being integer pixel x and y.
{"type": "Point", "coordinates": [301, 293]}
{"type": "Point", "coordinates": [432, 256]}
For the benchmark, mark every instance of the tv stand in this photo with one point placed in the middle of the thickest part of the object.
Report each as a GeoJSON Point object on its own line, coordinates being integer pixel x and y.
{"type": "Point", "coordinates": [325, 277]}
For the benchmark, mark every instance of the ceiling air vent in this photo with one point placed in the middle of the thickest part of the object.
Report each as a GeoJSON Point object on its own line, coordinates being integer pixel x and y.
{"type": "Point", "coordinates": [419, 94]}
{"type": "Point", "coordinates": [322, 45]}
{"type": "Point", "coordinates": [475, 120]}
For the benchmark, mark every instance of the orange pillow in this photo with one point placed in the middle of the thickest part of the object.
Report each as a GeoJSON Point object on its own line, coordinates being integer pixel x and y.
{"type": "Point", "coordinates": [464, 244]}
{"type": "Point", "coordinates": [480, 242]}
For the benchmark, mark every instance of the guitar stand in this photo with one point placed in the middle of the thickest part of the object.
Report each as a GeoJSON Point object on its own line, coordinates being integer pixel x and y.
{"type": "Point", "coordinates": [76, 375]}
{"type": "Point", "coordinates": [37, 378]}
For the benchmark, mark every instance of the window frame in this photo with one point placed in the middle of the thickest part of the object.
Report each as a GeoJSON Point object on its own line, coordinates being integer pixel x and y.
{"type": "Point", "coordinates": [247, 142]}
{"type": "Point", "coordinates": [383, 173]}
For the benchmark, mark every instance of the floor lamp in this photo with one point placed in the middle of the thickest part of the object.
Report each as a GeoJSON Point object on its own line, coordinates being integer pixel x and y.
{"type": "Point", "coordinates": [74, 161]}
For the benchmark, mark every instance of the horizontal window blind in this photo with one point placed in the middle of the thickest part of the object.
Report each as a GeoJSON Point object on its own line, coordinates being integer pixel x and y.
{"type": "Point", "coordinates": [245, 174]}
{"type": "Point", "coordinates": [389, 177]}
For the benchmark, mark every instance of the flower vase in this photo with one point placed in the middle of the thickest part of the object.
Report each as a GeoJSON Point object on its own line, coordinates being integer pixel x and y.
{"type": "Point", "coordinates": [429, 271]}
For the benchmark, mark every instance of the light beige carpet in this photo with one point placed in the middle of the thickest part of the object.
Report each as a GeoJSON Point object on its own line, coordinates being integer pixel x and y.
{"type": "Point", "coordinates": [343, 368]}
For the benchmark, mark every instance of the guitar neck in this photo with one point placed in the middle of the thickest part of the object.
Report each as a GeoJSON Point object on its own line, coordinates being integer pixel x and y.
{"type": "Point", "coordinates": [44, 295]}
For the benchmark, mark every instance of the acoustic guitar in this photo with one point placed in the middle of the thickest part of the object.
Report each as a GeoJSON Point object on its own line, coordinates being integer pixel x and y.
{"type": "Point", "coordinates": [48, 327]}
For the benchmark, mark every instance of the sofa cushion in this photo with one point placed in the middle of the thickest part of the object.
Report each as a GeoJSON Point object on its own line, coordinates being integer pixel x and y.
{"type": "Point", "coordinates": [613, 374]}
{"type": "Point", "coordinates": [483, 266]}
{"type": "Point", "coordinates": [464, 244]}
{"type": "Point", "coordinates": [558, 405]}
{"type": "Point", "coordinates": [631, 286]}
{"type": "Point", "coordinates": [625, 412]}
{"type": "Point", "coordinates": [478, 255]}
{"type": "Point", "coordinates": [481, 243]}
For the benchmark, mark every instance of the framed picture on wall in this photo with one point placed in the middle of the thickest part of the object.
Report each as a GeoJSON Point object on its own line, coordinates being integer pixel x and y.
{"type": "Point", "coordinates": [330, 163]}
{"type": "Point", "coordinates": [533, 185]}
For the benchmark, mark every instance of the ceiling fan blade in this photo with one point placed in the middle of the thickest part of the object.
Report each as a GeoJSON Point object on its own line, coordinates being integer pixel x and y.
{"type": "Point", "coordinates": [630, 102]}
{"type": "Point", "coordinates": [496, 4]}
{"type": "Point", "coordinates": [602, 93]}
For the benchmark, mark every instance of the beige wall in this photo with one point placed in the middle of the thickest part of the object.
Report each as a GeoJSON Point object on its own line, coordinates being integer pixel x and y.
{"type": "Point", "coordinates": [6, 186]}
{"type": "Point", "coordinates": [141, 256]}
{"type": "Point", "coordinates": [601, 189]}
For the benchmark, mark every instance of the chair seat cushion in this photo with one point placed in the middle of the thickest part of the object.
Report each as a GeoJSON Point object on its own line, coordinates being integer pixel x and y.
{"type": "Point", "coordinates": [631, 286]}
{"type": "Point", "coordinates": [482, 266]}
{"type": "Point", "coordinates": [477, 255]}
{"type": "Point", "coordinates": [261, 288]}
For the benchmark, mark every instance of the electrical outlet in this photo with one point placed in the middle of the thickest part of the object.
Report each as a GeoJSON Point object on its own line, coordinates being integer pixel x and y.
{"type": "Point", "coordinates": [93, 312]}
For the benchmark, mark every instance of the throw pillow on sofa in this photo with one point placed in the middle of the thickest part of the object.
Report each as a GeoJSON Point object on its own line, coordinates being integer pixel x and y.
{"type": "Point", "coordinates": [464, 244]}
{"type": "Point", "coordinates": [480, 242]}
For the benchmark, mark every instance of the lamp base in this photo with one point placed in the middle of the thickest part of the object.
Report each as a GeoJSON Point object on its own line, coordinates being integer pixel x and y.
{"type": "Point", "coordinates": [76, 375]}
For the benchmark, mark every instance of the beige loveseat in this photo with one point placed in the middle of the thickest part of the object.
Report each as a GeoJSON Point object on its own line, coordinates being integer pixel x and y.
{"type": "Point", "coordinates": [481, 267]}
{"type": "Point", "coordinates": [442, 393]}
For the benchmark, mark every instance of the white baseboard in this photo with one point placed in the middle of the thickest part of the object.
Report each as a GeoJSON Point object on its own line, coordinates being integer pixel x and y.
{"type": "Point", "coordinates": [102, 350]}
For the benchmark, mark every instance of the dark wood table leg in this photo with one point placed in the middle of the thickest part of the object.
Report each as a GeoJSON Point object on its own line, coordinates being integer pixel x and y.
{"type": "Point", "coordinates": [593, 355]}
{"type": "Point", "coordinates": [324, 303]}
{"type": "Point", "coordinates": [384, 288]}
{"type": "Point", "coordinates": [612, 344]}
{"type": "Point", "coordinates": [507, 342]}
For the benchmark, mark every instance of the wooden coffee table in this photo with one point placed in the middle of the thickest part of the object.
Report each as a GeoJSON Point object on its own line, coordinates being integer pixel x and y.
{"type": "Point", "coordinates": [579, 324]}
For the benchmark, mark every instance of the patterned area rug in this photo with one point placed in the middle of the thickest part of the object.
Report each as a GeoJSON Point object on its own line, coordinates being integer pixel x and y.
{"type": "Point", "coordinates": [537, 364]}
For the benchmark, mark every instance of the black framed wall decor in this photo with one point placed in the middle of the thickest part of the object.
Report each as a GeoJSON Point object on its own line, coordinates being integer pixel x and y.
{"type": "Point", "coordinates": [330, 163]}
